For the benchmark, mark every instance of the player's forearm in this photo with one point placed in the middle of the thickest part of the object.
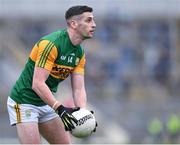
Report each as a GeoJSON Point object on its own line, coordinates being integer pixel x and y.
{"type": "Point", "coordinates": [80, 99]}
{"type": "Point", "coordinates": [45, 94]}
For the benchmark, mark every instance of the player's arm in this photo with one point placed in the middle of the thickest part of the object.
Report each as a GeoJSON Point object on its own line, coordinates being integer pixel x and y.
{"type": "Point", "coordinates": [40, 87]}
{"type": "Point", "coordinates": [78, 89]}
{"type": "Point", "coordinates": [78, 84]}
{"type": "Point", "coordinates": [46, 54]}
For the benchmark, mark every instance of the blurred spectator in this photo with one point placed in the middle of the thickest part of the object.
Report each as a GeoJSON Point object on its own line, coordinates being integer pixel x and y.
{"type": "Point", "coordinates": [163, 68]}
{"type": "Point", "coordinates": [155, 130]}
{"type": "Point", "coordinates": [173, 128]}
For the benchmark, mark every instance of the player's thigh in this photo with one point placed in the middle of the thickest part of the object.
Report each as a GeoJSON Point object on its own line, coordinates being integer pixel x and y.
{"type": "Point", "coordinates": [28, 133]}
{"type": "Point", "coordinates": [53, 131]}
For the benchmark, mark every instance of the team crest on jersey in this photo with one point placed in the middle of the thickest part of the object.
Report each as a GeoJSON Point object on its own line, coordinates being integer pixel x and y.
{"type": "Point", "coordinates": [77, 61]}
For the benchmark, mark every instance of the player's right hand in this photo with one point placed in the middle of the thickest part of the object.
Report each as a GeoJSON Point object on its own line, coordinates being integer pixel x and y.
{"type": "Point", "coordinates": [66, 116]}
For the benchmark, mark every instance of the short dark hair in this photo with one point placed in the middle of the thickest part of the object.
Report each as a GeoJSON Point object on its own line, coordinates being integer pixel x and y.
{"type": "Point", "coordinates": [77, 10]}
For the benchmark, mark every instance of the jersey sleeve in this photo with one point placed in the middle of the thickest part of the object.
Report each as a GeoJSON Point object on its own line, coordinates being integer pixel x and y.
{"type": "Point", "coordinates": [46, 55]}
{"type": "Point", "coordinates": [80, 67]}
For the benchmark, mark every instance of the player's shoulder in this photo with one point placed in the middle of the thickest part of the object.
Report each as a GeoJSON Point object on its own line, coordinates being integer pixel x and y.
{"type": "Point", "coordinates": [53, 36]}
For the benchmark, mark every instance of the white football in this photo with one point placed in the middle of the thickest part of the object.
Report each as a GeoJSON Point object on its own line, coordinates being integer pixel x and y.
{"type": "Point", "coordinates": [86, 123]}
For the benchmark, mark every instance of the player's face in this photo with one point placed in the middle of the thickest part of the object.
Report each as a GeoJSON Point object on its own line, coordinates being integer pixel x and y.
{"type": "Point", "coordinates": [86, 25]}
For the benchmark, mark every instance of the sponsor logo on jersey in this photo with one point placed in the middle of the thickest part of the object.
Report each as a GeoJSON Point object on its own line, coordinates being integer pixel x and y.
{"type": "Point", "coordinates": [61, 72]}
{"type": "Point", "coordinates": [63, 57]}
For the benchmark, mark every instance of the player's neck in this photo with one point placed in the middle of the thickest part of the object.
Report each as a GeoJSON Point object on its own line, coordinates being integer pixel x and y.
{"type": "Point", "coordinates": [75, 38]}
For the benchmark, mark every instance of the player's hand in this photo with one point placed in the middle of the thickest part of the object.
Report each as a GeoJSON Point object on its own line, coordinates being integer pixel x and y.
{"type": "Point", "coordinates": [96, 122]}
{"type": "Point", "coordinates": [66, 116]}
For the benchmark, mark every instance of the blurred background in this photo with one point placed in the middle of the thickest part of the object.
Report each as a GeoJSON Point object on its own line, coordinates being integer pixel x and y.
{"type": "Point", "coordinates": [132, 71]}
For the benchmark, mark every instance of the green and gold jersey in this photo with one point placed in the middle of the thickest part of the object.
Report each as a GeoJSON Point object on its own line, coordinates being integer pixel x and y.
{"type": "Point", "coordinates": [56, 53]}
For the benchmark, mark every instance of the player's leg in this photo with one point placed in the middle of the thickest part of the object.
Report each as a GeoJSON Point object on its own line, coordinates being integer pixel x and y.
{"type": "Point", "coordinates": [53, 131]}
{"type": "Point", "coordinates": [28, 133]}
{"type": "Point", "coordinates": [25, 117]}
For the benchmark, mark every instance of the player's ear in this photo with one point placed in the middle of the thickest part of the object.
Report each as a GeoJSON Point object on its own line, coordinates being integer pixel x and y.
{"type": "Point", "coordinates": [74, 24]}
